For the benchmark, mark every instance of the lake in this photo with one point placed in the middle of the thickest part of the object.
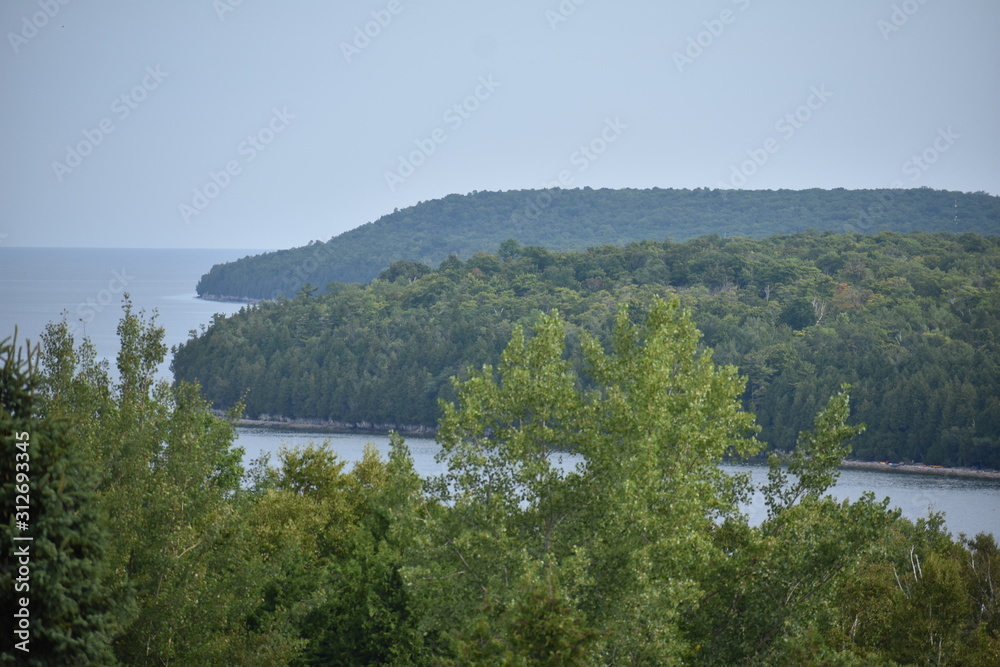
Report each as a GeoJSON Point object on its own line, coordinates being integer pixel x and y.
{"type": "Point", "coordinates": [38, 284]}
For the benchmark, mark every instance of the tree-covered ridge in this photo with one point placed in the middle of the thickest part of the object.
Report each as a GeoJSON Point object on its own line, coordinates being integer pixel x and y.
{"type": "Point", "coordinates": [577, 219]}
{"type": "Point", "coordinates": [910, 321]}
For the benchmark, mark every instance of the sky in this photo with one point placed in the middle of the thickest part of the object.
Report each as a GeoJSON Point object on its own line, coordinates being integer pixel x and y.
{"type": "Point", "coordinates": [254, 124]}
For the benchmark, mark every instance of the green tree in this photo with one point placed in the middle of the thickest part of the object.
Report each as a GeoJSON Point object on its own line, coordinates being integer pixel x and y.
{"type": "Point", "coordinates": [169, 487]}
{"type": "Point", "coordinates": [333, 547]}
{"type": "Point", "coordinates": [814, 461]}
{"type": "Point", "coordinates": [922, 362]}
{"type": "Point", "coordinates": [635, 517]}
{"type": "Point", "coordinates": [53, 535]}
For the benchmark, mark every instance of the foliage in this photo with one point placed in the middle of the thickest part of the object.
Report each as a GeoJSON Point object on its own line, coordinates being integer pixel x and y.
{"type": "Point", "coordinates": [169, 489]}
{"type": "Point", "coordinates": [641, 554]}
{"type": "Point", "coordinates": [332, 545]}
{"type": "Point", "coordinates": [815, 460]}
{"type": "Point", "coordinates": [577, 219]}
{"type": "Point", "coordinates": [55, 544]}
{"type": "Point", "coordinates": [908, 321]}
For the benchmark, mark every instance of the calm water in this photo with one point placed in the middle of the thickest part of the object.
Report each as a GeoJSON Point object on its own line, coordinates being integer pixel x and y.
{"type": "Point", "coordinates": [970, 506]}
{"type": "Point", "coordinates": [38, 284]}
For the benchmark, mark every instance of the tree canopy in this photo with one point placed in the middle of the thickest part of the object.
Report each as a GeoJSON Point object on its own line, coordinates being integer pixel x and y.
{"type": "Point", "coordinates": [640, 554]}
{"type": "Point", "coordinates": [908, 320]}
{"type": "Point", "coordinates": [577, 219]}
{"type": "Point", "coordinates": [54, 567]}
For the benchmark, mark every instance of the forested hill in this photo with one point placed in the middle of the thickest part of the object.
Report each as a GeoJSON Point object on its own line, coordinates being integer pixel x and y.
{"type": "Point", "coordinates": [578, 219]}
{"type": "Point", "coordinates": [911, 321]}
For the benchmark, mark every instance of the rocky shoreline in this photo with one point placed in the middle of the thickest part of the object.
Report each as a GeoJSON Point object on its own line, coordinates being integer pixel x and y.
{"type": "Point", "coordinates": [921, 469]}
{"type": "Point", "coordinates": [328, 426]}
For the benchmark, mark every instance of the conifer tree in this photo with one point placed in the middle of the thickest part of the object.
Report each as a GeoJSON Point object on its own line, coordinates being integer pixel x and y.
{"type": "Point", "coordinates": [52, 565]}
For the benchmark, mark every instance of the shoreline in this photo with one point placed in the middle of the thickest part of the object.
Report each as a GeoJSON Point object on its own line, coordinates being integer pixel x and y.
{"type": "Point", "coordinates": [920, 469]}
{"type": "Point", "coordinates": [323, 426]}
{"type": "Point", "coordinates": [414, 430]}
{"type": "Point", "coordinates": [228, 299]}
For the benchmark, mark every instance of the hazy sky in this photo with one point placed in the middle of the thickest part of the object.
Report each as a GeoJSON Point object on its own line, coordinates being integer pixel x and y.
{"type": "Point", "coordinates": [248, 123]}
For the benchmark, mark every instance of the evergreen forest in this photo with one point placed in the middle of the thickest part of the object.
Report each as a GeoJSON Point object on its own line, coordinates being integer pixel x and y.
{"type": "Point", "coordinates": [911, 321]}
{"type": "Point", "coordinates": [576, 219]}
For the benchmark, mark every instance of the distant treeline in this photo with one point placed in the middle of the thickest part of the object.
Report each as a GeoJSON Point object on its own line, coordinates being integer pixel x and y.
{"type": "Point", "coordinates": [911, 321]}
{"type": "Point", "coordinates": [578, 219]}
